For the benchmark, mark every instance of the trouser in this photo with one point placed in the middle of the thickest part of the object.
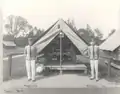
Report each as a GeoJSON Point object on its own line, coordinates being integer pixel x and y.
{"type": "Point", "coordinates": [30, 67]}
{"type": "Point", "coordinates": [94, 68]}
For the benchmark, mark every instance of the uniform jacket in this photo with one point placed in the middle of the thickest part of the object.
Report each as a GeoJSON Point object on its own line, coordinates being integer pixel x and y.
{"type": "Point", "coordinates": [30, 52]}
{"type": "Point", "coordinates": [93, 52]}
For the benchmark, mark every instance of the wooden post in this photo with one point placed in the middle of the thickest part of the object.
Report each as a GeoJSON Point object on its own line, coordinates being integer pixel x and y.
{"type": "Point", "coordinates": [60, 54]}
{"type": "Point", "coordinates": [7, 68]}
{"type": "Point", "coordinates": [109, 68]}
{"type": "Point", "coordinates": [10, 64]}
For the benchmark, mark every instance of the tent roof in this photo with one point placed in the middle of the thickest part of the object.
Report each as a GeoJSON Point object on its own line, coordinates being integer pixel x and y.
{"type": "Point", "coordinates": [112, 42]}
{"type": "Point", "coordinates": [53, 26]}
{"type": "Point", "coordinates": [53, 31]}
{"type": "Point", "coordinates": [77, 33]}
{"type": "Point", "coordinates": [44, 33]}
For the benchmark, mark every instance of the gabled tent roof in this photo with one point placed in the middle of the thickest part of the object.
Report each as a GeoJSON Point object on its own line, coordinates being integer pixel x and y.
{"type": "Point", "coordinates": [112, 42]}
{"type": "Point", "coordinates": [53, 31]}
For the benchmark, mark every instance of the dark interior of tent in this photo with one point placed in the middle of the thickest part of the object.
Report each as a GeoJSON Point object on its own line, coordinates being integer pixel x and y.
{"type": "Point", "coordinates": [68, 51]}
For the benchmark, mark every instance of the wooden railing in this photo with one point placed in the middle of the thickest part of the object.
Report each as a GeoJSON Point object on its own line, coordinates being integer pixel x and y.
{"type": "Point", "coordinates": [109, 56]}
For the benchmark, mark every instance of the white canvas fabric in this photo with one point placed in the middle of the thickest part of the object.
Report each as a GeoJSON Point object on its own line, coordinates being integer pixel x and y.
{"type": "Point", "coordinates": [112, 42]}
{"type": "Point", "coordinates": [46, 39]}
{"type": "Point", "coordinates": [53, 32]}
{"type": "Point", "coordinates": [77, 41]}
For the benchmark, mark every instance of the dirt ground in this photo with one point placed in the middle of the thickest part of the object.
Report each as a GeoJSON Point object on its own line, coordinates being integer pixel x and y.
{"type": "Point", "coordinates": [69, 79]}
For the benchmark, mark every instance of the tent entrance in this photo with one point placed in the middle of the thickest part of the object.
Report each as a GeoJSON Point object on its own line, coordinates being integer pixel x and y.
{"type": "Point", "coordinates": [61, 53]}
{"type": "Point", "coordinates": [60, 49]}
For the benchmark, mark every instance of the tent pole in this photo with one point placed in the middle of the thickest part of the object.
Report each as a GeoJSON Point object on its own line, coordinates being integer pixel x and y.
{"type": "Point", "coordinates": [60, 54]}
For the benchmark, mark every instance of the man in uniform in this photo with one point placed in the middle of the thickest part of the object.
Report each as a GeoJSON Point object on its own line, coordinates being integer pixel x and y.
{"type": "Point", "coordinates": [93, 52]}
{"type": "Point", "coordinates": [30, 56]}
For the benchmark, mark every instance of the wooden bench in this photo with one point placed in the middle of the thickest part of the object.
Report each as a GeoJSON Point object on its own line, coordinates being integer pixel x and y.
{"type": "Point", "coordinates": [68, 67]}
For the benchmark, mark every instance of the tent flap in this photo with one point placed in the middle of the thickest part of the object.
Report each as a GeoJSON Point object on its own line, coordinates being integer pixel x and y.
{"type": "Point", "coordinates": [76, 40]}
{"type": "Point", "coordinates": [42, 43]}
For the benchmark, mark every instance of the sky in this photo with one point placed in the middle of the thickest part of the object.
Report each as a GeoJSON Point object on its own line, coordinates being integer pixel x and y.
{"type": "Point", "coordinates": [102, 14]}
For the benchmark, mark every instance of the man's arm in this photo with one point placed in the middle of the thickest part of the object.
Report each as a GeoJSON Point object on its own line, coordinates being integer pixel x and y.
{"type": "Point", "coordinates": [25, 51]}
{"type": "Point", "coordinates": [86, 52]}
{"type": "Point", "coordinates": [35, 49]}
{"type": "Point", "coordinates": [98, 52]}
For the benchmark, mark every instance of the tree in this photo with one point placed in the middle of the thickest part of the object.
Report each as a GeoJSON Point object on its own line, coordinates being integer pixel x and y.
{"type": "Point", "coordinates": [112, 31]}
{"type": "Point", "coordinates": [20, 24]}
{"type": "Point", "coordinates": [35, 30]}
{"type": "Point", "coordinates": [42, 30]}
{"type": "Point", "coordinates": [28, 29]}
{"type": "Point", "coordinates": [95, 35]}
{"type": "Point", "coordinates": [30, 35]}
{"type": "Point", "coordinates": [9, 24]}
{"type": "Point", "coordinates": [98, 34]}
{"type": "Point", "coordinates": [15, 24]}
{"type": "Point", "coordinates": [39, 32]}
{"type": "Point", "coordinates": [71, 24]}
{"type": "Point", "coordinates": [84, 35]}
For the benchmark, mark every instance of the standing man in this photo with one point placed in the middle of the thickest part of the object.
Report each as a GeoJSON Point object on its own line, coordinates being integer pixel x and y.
{"type": "Point", "coordinates": [93, 52]}
{"type": "Point", "coordinates": [30, 56]}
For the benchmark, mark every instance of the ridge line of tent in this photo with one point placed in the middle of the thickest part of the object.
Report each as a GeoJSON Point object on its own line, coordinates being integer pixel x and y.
{"type": "Point", "coordinates": [54, 25]}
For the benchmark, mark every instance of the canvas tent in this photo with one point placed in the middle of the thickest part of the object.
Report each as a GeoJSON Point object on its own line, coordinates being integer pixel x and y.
{"type": "Point", "coordinates": [112, 42]}
{"type": "Point", "coordinates": [53, 31]}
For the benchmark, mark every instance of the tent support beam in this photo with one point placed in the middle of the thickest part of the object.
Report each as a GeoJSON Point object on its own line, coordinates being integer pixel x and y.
{"type": "Point", "coordinates": [60, 54]}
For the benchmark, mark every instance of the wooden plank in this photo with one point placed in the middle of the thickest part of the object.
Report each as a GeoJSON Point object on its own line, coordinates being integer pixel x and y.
{"type": "Point", "coordinates": [114, 65]}
{"type": "Point", "coordinates": [68, 67]}
{"type": "Point", "coordinates": [10, 64]}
